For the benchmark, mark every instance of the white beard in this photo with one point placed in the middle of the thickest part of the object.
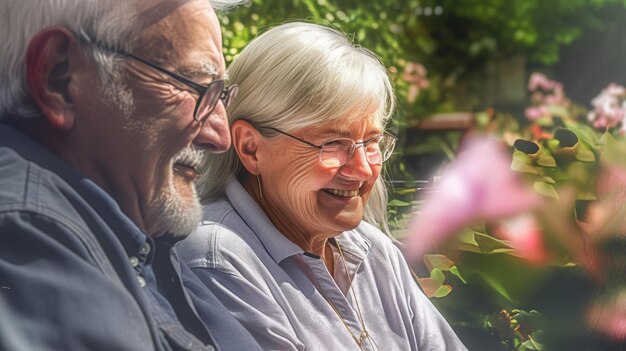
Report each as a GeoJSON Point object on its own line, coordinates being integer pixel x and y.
{"type": "Point", "coordinates": [175, 215]}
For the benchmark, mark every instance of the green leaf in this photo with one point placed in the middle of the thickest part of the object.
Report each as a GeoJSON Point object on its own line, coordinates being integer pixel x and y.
{"type": "Point", "coordinates": [559, 111]}
{"type": "Point", "coordinates": [405, 191]}
{"type": "Point", "coordinates": [607, 139]}
{"type": "Point", "coordinates": [546, 190]}
{"type": "Point", "coordinates": [398, 203]}
{"type": "Point", "coordinates": [443, 291]}
{"type": "Point", "coordinates": [437, 275]}
{"type": "Point", "coordinates": [490, 245]}
{"type": "Point", "coordinates": [497, 286]}
{"type": "Point", "coordinates": [438, 261]}
{"type": "Point", "coordinates": [586, 195]}
{"type": "Point", "coordinates": [455, 270]}
{"type": "Point", "coordinates": [585, 155]}
{"type": "Point", "coordinates": [545, 160]}
{"type": "Point", "coordinates": [532, 345]}
{"type": "Point", "coordinates": [482, 243]}
{"type": "Point", "coordinates": [523, 167]}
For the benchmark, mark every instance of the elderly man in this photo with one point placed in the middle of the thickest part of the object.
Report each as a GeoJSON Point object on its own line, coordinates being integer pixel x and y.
{"type": "Point", "coordinates": [106, 110]}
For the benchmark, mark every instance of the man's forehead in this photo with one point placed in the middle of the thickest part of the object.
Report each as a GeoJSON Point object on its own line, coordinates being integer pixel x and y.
{"type": "Point", "coordinates": [151, 12]}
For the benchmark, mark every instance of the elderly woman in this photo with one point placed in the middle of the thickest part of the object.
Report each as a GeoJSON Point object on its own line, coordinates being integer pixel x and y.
{"type": "Point", "coordinates": [284, 243]}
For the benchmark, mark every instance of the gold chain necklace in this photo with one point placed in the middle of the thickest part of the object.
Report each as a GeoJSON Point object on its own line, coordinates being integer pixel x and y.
{"type": "Point", "coordinates": [364, 333]}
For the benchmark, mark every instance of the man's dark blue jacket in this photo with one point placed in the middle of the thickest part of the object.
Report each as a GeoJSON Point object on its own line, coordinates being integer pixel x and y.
{"type": "Point", "coordinates": [77, 274]}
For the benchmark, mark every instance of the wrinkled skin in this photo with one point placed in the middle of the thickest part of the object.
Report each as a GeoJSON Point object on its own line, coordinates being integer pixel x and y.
{"type": "Point", "coordinates": [132, 156]}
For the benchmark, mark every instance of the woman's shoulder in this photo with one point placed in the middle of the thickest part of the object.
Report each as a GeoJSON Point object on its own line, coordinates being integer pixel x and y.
{"type": "Point", "coordinates": [375, 238]}
{"type": "Point", "coordinates": [379, 247]}
{"type": "Point", "coordinates": [221, 239]}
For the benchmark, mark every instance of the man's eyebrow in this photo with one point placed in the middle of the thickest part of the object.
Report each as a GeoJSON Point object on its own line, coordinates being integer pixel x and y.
{"type": "Point", "coordinates": [207, 69]}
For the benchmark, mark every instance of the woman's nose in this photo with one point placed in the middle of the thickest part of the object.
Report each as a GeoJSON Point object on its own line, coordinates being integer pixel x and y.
{"type": "Point", "coordinates": [358, 167]}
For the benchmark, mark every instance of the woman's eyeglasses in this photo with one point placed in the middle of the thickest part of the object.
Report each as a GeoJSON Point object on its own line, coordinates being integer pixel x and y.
{"type": "Point", "coordinates": [338, 152]}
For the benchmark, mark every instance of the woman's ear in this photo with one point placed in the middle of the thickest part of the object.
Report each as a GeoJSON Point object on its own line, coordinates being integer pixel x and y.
{"type": "Point", "coordinates": [48, 75]}
{"type": "Point", "coordinates": [246, 141]}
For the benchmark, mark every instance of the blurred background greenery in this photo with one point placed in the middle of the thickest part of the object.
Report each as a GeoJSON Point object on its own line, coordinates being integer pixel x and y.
{"type": "Point", "coordinates": [477, 54]}
{"type": "Point", "coordinates": [458, 66]}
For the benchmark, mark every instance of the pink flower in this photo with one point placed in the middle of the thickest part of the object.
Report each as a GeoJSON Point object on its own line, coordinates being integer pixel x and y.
{"type": "Point", "coordinates": [523, 234]}
{"type": "Point", "coordinates": [540, 81]}
{"type": "Point", "coordinates": [608, 112]}
{"type": "Point", "coordinates": [614, 89]}
{"type": "Point", "coordinates": [557, 96]}
{"type": "Point", "coordinates": [479, 184]}
{"type": "Point", "coordinates": [536, 112]}
{"type": "Point", "coordinates": [608, 315]}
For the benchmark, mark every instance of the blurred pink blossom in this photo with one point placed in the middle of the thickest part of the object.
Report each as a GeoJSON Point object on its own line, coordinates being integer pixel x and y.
{"type": "Point", "coordinates": [523, 233]}
{"type": "Point", "coordinates": [478, 184]}
{"type": "Point", "coordinates": [609, 107]}
{"type": "Point", "coordinates": [545, 93]}
{"type": "Point", "coordinates": [608, 315]}
{"type": "Point", "coordinates": [556, 96]}
{"type": "Point", "coordinates": [615, 90]}
{"type": "Point", "coordinates": [540, 81]}
{"type": "Point", "coordinates": [536, 112]}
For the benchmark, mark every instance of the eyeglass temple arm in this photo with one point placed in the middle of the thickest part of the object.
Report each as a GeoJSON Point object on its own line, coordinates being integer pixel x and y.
{"type": "Point", "coordinates": [296, 138]}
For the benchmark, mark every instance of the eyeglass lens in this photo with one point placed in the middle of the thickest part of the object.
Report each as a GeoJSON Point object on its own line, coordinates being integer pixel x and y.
{"type": "Point", "coordinates": [207, 102]}
{"type": "Point", "coordinates": [214, 92]}
{"type": "Point", "coordinates": [338, 152]}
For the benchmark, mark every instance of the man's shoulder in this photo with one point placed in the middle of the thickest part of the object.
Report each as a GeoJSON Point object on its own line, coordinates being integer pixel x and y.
{"type": "Point", "coordinates": [39, 205]}
{"type": "Point", "coordinates": [25, 186]}
{"type": "Point", "coordinates": [14, 180]}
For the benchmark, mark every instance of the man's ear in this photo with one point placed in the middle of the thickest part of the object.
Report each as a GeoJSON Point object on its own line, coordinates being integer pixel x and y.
{"type": "Point", "coordinates": [246, 142]}
{"type": "Point", "coordinates": [48, 75]}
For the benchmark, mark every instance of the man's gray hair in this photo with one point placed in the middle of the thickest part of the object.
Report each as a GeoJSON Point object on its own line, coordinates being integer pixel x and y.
{"type": "Point", "coordinates": [111, 22]}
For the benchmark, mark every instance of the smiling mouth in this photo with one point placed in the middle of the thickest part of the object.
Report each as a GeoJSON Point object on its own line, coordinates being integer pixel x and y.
{"type": "Point", "coordinates": [342, 193]}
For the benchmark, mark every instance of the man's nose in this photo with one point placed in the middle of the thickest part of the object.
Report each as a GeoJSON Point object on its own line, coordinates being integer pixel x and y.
{"type": "Point", "coordinates": [214, 134]}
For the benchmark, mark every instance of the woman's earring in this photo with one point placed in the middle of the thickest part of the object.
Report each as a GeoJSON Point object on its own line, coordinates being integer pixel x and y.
{"type": "Point", "coordinates": [258, 180]}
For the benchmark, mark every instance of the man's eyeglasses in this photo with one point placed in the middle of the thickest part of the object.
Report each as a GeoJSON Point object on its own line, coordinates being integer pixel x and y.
{"type": "Point", "coordinates": [208, 95]}
{"type": "Point", "coordinates": [338, 152]}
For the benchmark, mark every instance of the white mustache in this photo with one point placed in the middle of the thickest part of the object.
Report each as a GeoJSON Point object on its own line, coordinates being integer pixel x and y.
{"type": "Point", "coordinates": [190, 157]}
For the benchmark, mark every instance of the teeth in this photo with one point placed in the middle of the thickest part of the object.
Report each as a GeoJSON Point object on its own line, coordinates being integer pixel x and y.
{"type": "Point", "coordinates": [343, 193]}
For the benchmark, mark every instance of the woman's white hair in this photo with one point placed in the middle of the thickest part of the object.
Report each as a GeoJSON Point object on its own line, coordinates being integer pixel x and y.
{"type": "Point", "coordinates": [111, 22]}
{"type": "Point", "coordinates": [298, 75]}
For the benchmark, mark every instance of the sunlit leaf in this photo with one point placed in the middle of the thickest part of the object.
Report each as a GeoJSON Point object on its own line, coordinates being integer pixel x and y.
{"type": "Point", "coordinates": [442, 291]}
{"type": "Point", "coordinates": [455, 270]}
{"type": "Point", "coordinates": [398, 203]}
{"type": "Point", "coordinates": [545, 160]}
{"type": "Point", "coordinates": [429, 285]}
{"type": "Point", "coordinates": [437, 275]}
{"type": "Point", "coordinates": [545, 189]}
{"type": "Point", "coordinates": [585, 155]}
{"type": "Point", "coordinates": [482, 243]}
{"type": "Point", "coordinates": [405, 191]}
{"type": "Point", "coordinates": [438, 261]}
{"type": "Point", "coordinates": [519, 165]}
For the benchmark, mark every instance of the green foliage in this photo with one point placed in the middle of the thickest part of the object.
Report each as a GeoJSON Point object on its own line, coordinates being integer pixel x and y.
{"type": "Point", "coordinates": [455, 44]}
